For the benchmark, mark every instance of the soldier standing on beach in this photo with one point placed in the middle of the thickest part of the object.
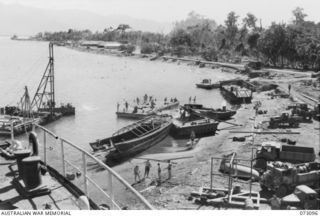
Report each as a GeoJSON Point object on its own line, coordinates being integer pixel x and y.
{"type": "Point", "coordinates": [190, 99]}
{"type": "Point", "coordinates": [275, 202]}
{"type": "Point", "coordinates": [192, 137]}
{"type": "Point", "coordinates": [159, 173]}
{"type": "Point", "coordinates": [289, 88]}
{"type": "Point", "coordinates": [169, 169]}
{"type": "Point", "coordinates": [194, 99]}
{"type": "Point", "coordinates": [127, 105]}
{"type": "Point", "coordinates": [138, 100]}
{"type": "Point", "coordinates": [145, 98]}
{"type": "Point", "coordinates": [147, 169]}
{"type": "Point", "coordinates": [136, 172]}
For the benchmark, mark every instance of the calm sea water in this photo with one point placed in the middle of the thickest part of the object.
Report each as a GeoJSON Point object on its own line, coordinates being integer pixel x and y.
{"type": "Point", "coordinates": [95, 83]}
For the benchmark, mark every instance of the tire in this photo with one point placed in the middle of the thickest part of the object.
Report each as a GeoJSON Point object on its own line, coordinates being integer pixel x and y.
{"type": "Point", "coordinates": [282, 191]}
{"type": "Point", "coordinates": [263, 188]}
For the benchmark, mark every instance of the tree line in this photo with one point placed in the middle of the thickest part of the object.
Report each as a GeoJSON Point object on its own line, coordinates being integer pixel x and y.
{"type": "Point", "coordinates": [286, 45]}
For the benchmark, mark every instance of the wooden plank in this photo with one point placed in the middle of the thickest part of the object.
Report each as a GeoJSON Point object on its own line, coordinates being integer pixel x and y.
{"type": "Point", "coordinates": [263, 132]}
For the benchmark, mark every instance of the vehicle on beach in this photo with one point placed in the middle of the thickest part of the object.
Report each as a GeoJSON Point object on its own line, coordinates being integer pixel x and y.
{"type": "Point", "coordinates": [282, 178]}
{"type": "Point", "coordinates": [275, 151]}
{"type": "Point", "coordinates": [303, 197]}
{"type": "Point", "coordinates": [316, 112]}
{"type": "Point", "coordinates": [216, 114]}
{"type": "Point", "coordinates": [133, 139]}
{"type": "Point", "coordinates": [285, 120]}
{"type": "Point", "coordinates": [207, 84]}
{"type": "Point", "coordinates": [301, 110]}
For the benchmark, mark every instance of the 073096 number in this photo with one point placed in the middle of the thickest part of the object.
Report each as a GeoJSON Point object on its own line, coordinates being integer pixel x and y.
{"type": "Point", "coordinates": [306, 212]}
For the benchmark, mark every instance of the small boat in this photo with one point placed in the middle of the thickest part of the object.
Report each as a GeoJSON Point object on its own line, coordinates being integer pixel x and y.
{"type": "Point", "coordinates": [64, 110]}
{"type": "Point", "coordinates": [216, 114]}
{"type": "Point", "coordinates": [144, 110]}
{"type": "Point", "coordinates": [236, 94]}
{"type": "Point", "coordinates": [133, 139]}
{"type": "Point", "coordinates": [19, 124]}
{"type": "Point", "coordinates": [132, 115]}
{"type": "Point", "coordinates": [206, 84]}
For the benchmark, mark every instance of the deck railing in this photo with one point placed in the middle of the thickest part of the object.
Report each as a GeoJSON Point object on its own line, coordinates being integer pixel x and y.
{"type": "Point", "coordinates": [85, 156]}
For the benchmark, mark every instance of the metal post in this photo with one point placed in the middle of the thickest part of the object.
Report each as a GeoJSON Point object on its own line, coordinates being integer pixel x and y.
{"type": "Point", "coordinates": [45, 147]}
{"type": "Point", "coordinates": [84, 166]}
{"type": "Point", "coordinates": [62, 157]}
{"type": "Point", "coordinates": [11, 132]}
{"type": "Point", "coordinates": [251, 171]}
{"type": "Point", "coordinates": [211, 174]}
{"type": "Point", "coordinates": [111, 189]}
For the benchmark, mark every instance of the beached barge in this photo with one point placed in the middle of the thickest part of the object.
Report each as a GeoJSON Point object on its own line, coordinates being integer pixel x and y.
{"type": "Point", "coordinates": [216, 114]}
{"type": "Point", "coordinates": [236, 94]}
{"type": "Point", "coordinates": [133, 139]}
{"type": "Point", "coordinates": [141, 113]}
{"type": "Point", "coordinates": [201, 128]}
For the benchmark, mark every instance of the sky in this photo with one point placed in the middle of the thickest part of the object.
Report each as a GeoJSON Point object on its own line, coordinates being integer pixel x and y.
{"type": "Point", "coordinates": [175, 10]}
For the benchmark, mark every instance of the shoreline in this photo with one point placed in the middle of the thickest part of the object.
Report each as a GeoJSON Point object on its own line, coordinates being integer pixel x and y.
{"type": "Point", "coordinates": [192, 173]}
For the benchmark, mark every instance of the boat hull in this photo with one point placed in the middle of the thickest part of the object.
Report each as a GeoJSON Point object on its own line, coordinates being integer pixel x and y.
{"type": "Point", "coordinates": [208, 86]}
{"type": "Point", "coordinates": [200, 130]}
{"type": "Point", "coordinates": [64, 110]}
{"type": "Point", "coordinates": [129, 149]}
{"type": "Point", "coordinates": [133, 115]}
{"type": "Point", "coordinates": [217, 115]}
{"type": "Point", "coordinates": [232, 98]}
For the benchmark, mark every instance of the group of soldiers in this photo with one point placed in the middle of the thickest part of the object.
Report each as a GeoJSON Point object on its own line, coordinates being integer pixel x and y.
{"type": "Point", "coordinates": [145, 100]}
{"type": "Point", "coordinates": [147, 168]}
{"type": "Point", "coordinates": [194, 99]}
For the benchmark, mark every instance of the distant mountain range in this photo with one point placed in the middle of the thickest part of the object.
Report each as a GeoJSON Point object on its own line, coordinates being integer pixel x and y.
{"type": "Point", "coordinates": [25, 20]}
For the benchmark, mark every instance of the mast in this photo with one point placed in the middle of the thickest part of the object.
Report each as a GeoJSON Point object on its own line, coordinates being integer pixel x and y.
{"type": "Point", "coordinates": [26, 104]}
{"type": "Point", "coordinates": [45, 97]}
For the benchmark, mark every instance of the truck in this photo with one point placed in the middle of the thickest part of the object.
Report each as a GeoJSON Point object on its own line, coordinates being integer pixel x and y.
{"type": "Point", "coordinates": [316, 112]}
{"type": "Point", "coordinates": [275, 151]}
{"type": "Point", "coordinates": [282, 178]}
{"type": "Point", "coordinates": [301, 110]}
{"type": "Point", "coordinates": [285, 120]}
{"type": "Point", "coordinates": [303, 197]}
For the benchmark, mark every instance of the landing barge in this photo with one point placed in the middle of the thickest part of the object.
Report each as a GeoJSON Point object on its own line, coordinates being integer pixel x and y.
{"type": "Point", "coordinates": [133, 139]}
{"type": "Point", "coordinates": [236, 94]}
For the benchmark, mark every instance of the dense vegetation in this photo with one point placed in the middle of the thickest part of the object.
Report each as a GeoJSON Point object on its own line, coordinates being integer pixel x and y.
{"type": "Point", "coordinates": [292, 45]}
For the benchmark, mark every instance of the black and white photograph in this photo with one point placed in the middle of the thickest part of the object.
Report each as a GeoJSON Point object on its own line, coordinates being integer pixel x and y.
{"type": "Point", "coordinates": [177, 105]}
